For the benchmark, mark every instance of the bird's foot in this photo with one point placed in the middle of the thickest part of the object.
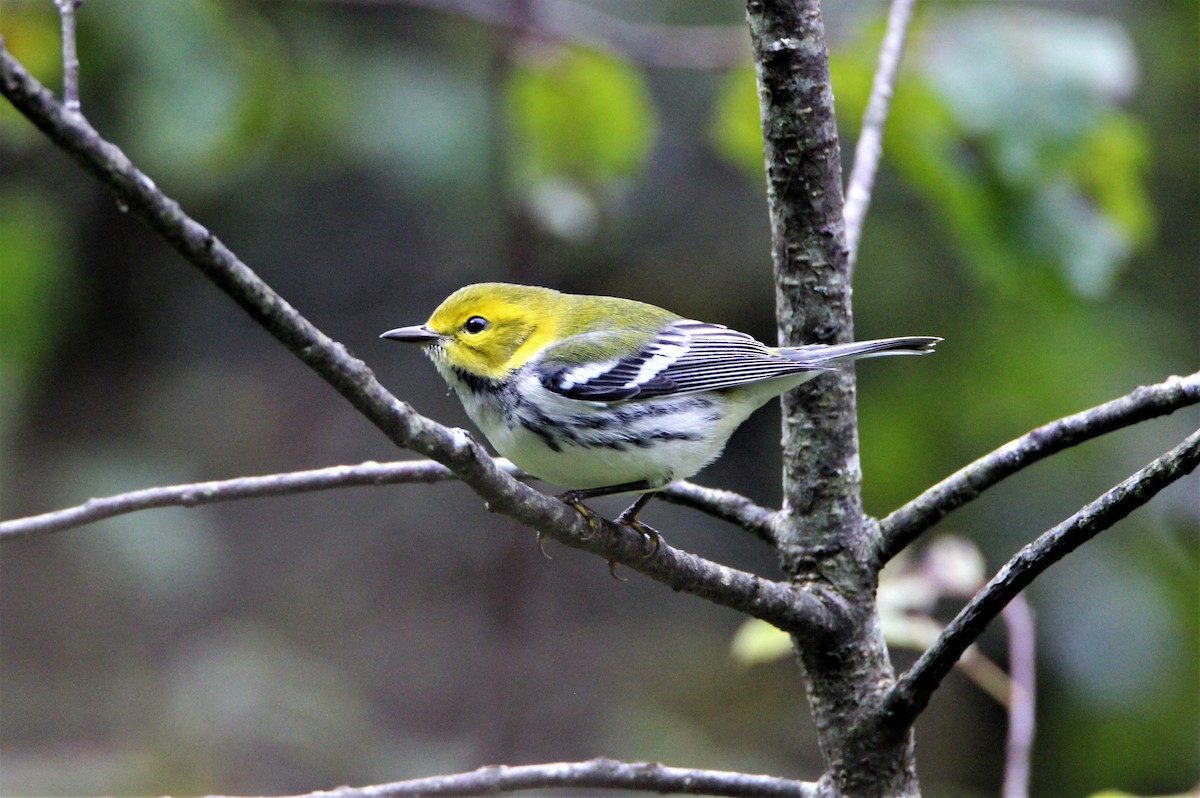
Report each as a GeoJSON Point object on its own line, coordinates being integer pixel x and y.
{"type": "Point", "coordinates": [572, 500]}
{"type": "Point", "coordinates": [653, 538]}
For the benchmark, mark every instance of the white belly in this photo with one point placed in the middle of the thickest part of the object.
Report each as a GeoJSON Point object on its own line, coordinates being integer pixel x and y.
{"type": "Point", "coordinates": [578, 444]}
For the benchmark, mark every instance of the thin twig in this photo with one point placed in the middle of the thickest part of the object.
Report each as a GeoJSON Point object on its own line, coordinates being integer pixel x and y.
{"type": "Point", "coordinates": [199, 493]}
{"type": "Point", "coordinates": [726, 505]}
{"type": "Point", "coordinates": [905, 524]}
{"type": "Point", "coordinates": [70, 57]}
{"type": "Point", "coordinates": [599, 773]}
{"type": "Point", "coordinates": [912, 690]}
{"type": "Point", "coordinates": [649, 45]}
{"type": "Point", "coordinates": [869, 149]}
{"type": "Point", "coordinates": [808, 612]}
{"type": "Point", "coordinates": [1022, 701]}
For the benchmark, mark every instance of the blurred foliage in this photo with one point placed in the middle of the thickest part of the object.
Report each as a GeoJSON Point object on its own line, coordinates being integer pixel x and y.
{"type": "Point", "coordinates": [910, 591]}
{"type": "Point", "coordinates": [1036, 207]}
{"type": "Point", "coordinates": [578, 114]}
{"type": "Point", "coordinates": [34, 269]}
{"type": "Point", "coordinates": [1010, 127]}
{"type": "Point", "coordinates": [155, 47]}
{"type": "Point", "coordinates": [35, 296]}
{"type": "Point", "coordinates": [581, 126]}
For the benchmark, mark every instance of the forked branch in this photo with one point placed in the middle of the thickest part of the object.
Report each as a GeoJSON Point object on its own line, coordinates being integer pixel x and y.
{"type": "Point", "coordinates": [726, 505]}
{"type": "Point", "coordinates": [904, 525]}
{"type": "Point", "coordinates": [799, 611]}
{"type": "Point", "coordinates": [914, 689]}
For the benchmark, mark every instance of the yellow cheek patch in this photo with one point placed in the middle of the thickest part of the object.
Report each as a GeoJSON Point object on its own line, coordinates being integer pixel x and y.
{"type": "Point", "coordinates": [521, 321]}
{"type": "Point", "coordinates": [537, 339]}
{"type": "Point", "coordinates": [506, 345]}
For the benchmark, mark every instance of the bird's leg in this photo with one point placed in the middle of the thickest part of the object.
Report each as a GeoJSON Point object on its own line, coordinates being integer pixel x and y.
{"type": "Point", "coordinates": [574, 498]}
{"type": "Point", "coordinates": [628, 517]}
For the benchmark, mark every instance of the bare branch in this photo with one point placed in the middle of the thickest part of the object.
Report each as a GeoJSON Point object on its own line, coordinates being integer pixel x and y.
{"type": "Point", "coordinates": [912, 690]}
{"type": "Point", "coordinates": [870, 140]}
{"type": "Point", "coordinates": [905, 524]}
{"type": "Point", "coordinates": [668, 46]}
{"type": "Point", "coordinates": [806, 612]}
{"type": "Point", "coordinates": [595, 773]}
{"type": "Point", "coordinates": [66, 12]}
{"type": "Point", "coordinates": [726, 505]}
{"type": "Point", "coordinates": [1022, 702]}
{"type": "Point", "coordinates": [198, 493]}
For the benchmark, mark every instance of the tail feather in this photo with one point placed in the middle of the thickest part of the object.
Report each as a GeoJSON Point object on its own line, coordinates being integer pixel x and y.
{"type": "Point", "coordinates": [830, 354]}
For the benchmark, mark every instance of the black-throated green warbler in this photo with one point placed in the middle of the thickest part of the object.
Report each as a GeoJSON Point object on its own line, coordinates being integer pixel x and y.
{"type": "Point", "coordinates": [604, 395]}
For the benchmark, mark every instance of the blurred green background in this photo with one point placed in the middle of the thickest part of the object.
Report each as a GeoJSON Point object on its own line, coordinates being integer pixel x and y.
{"type": "Point", "coordinates": [1037, 207]}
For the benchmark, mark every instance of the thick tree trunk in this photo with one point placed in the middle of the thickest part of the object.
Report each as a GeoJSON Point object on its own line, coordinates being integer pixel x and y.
{"type": "Point", "coordinates": [825, 541]}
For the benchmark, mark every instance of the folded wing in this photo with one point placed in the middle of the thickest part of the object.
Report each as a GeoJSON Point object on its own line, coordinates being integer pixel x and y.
{"type": "Point", "coordinates": [686, 357]}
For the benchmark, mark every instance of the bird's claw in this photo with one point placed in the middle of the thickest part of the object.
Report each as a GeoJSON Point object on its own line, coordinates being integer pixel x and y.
{"type": "Point", "coordinates": [593, 520]}
{"type": "Point", "coordinates": [612, 569]}
{"type": "Point", "coordinates": [541, 544]}
{"type": "Point", "coordinates": [628, 519]}
{"type": "Point", "coordinates": [653, 538]}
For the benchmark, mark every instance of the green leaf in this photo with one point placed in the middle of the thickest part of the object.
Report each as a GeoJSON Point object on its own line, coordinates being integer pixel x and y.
{"type": "Point", "coordinates": [578, 115]}
{"type": "Point", "coordinates": [1007, 123]}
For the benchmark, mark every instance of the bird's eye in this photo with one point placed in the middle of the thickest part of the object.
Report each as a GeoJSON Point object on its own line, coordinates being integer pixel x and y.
{"type": "Point", "coordinates": [475, 324]}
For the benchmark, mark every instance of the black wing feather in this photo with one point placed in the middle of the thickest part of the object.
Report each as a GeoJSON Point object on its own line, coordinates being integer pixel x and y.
{"type": "Point", "coordinates": [687, 356]}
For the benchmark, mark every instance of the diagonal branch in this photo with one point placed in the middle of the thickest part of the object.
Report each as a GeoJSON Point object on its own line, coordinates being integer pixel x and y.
{"type": "Point", "coordinates": [905, 524]}
{"type": "Point", "coordinates": [804, 612]}
{"type": "Point", "coordinates": [913, 690]}
{"type": "Point", "coordinates": [869, 149]}
{"type": "Point", "coordinates": [600, 773]}
{"type": "Point", "coordinates": [726, 505]}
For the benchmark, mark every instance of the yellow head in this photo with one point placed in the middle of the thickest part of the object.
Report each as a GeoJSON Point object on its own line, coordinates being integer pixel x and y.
{"type": "Point", "coordinates": [489, 329]}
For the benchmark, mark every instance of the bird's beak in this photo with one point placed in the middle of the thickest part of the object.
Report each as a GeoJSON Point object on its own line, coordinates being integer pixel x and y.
{"type": "Point", "coordinates": [418, 334]}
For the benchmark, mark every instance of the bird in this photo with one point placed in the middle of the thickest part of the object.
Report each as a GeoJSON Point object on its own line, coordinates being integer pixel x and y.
{"type": "Point", "coordinates": [604, 395]}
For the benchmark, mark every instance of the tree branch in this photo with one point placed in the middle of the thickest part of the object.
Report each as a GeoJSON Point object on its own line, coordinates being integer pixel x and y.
{"type": "Point", "coordinates": [905, 524]}
{"type": "Point", "coordinates": [913, 690]}
{"type": "Point", "coordinates": [812, 292]}
{"type": "Point", "coordinates": [726, 505]}
{"type": "Point", "coordinates": [600, 773]}
{"type": "Point", "coordinates": [70, 56]}
{"type": "Point", "coordinates": [869, 149]}
{"type": "Point", "coordinates": [808, 613]}
{"type": "Point", "coordinates": [667, 46]}
{"type": "Point", "coordinates": [199, 493]}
